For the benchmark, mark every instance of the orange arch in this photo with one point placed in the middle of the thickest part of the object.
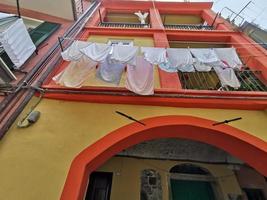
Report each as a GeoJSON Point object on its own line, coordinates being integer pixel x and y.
{"type": "Point", "coordinates": [250, 149]}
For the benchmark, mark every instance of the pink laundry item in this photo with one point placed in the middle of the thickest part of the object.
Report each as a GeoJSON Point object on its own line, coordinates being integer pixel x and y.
{"type": "Point", "coordinates": [140, 78]}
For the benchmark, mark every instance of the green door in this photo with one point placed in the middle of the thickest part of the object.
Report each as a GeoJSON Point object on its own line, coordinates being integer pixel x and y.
{"type": "Point", "coordinates": [191, 190]}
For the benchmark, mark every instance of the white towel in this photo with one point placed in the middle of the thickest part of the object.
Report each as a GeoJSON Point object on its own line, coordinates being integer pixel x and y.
{"type": "Point", "coordinates": [110, 72]}
{"type": "Point", "coordinates": [17, 43]}
{"type": "Point", "coordinates": [178, 59]}
{"type": "Point", "coordinates": [140, 79]}
{"type": "Point", "coordinates": [97, 52]}
{"type": "Point", "coordinates": [72, 53]}
{"type": "Point", "coordinates": [205, 55]}
{"type": "Point", "coordinates": [124, 54]}
{"type": "Point", "coordinates": [76, 73]}
{"type": "Point", "coordinates": [154, 55]}
{"type": "Point", "coordinates": [227, 77]}
{"type": "Point", "coordinates": [230, 56]}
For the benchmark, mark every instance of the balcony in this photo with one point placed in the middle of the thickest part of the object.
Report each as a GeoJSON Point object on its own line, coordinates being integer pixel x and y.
{"type": "Point", "coordinates": [123, 25]}
{"type": "Point", "coordinates": [210, 81]}
{"type": "Point", "coordinates": [184, 22]}
{"type": "Point", "coordinates": [188, 27]}
{"type": "Point", "coordinates": [122, 20]}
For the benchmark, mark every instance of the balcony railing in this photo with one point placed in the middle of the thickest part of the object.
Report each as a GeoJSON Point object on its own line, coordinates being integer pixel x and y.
{"type": "Point", "coordinates": [210, 81]}
{"type": "Point", "coordinates": [123, 25]}
{"type": "Point", "coordinates": [188, 27]}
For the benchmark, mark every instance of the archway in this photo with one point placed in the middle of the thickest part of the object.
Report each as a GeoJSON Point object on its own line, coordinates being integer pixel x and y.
{"type": "Point", "coordinates": [234, 141]}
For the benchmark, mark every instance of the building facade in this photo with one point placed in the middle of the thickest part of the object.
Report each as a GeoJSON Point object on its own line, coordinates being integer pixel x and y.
{"type": "Point", "coordinates": [102, 141]}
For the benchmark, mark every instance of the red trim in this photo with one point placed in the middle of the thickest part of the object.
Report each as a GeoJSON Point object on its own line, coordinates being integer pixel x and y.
{"type": "Point", "coordinates": [189, 102]}
{"type": "Point", "coordinates": [236, 142]}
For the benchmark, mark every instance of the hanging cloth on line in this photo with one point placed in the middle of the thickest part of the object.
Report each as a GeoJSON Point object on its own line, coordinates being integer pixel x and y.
{"type": "Point", "coordinates": [226, 75]}
{"type": "Point", "coordinates": [124, 54]}
{"type": "Point", "coordinates": [155, 56]}
{"type": "Point", "coordinates": [110, 72]}
{"type": "Point", "coordinates": [72, 53]}
{"type": "Point", "coordinates": [205, 55]}
{"type": "Point", "coordinates": [178, 59]}
{"type": "Point", "coordinates": [140, 79]}
{"type": "Point", "coordinates": [76, 73]}
{"type": "Point", "coordinates": [97, 52]}
{"type": "Point", "coordinates": [17, 43]}
{"type": "Point", "coordinates": [230, 56]}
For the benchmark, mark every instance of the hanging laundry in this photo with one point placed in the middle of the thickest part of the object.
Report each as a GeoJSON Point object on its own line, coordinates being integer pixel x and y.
{"type": "Point", "coordinates": [72, 53]}
{"type": "Point", "coordinates": [17, 42]}
{"type": "Point", "coordinates": [155, 56]}
{"type": "Point", "coordinates": [230, 56]}
{"type": "Point", "coordinates": [76, 73]}
{"type": "Point", "coordinates": [140, 79]}
{"type": "Point", "coordinates": [124, 54]}
{"type": "Point", "coordinates": [110, 72]}
{"type": "Point", "coordinates": [205, 55]}
{"type": "Point", "coordinates": [178, 59]}
{"type": "Point", "coordinates": [227, 76]}
{"type": "Point", "coordinates": [202, 67]}
{"type": "Point", "coordinates": [97, 52]}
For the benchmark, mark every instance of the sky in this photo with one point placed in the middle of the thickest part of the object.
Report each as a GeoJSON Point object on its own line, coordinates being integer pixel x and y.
{"type": "Point", "coordinates": [255, 12]}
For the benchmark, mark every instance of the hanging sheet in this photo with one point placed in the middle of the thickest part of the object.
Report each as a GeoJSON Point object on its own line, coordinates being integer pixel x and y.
{"type": "Point", "coordinates": [76, 73]}
{"type": "Point", "coordinates": [97, 52]}
{"type": "Point", "coordinates": [73, 53]}
{"type": "Point", "coordinates": [110, 72]}
{"type": "Point", "coordinates": [205, 55]}
{"type": "Point", "coordinates": [17, 43]}
{"type": "Point", "coordinates": [178, 59]}
{"type": "Point", "coordinates": [155, 56]}
{"type": "Point", "coordinates": [230, 56]}
{"type": "Point", "coordinates": [124, 54]}
{"type": "Point", "coordinates": [140, 78]}
{"type": "Point", "coordinates": [226, 75]}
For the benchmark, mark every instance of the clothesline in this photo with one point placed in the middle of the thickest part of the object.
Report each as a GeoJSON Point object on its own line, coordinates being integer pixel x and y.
{"type": "Point", "coordinates": [112, 60]}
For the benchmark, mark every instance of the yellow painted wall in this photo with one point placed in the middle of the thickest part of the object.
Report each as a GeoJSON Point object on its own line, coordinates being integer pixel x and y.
{"type": "Point", "coordinates": [127, 172]}
{"type": "Point", "coordinates": [59, 8]}
{"type": "Point", "coordinates": [121, 17]}
{"type": "Point", "coordinates": [181, 19]}
{"type": "Point", "coordinates": [34, 161]}
{"type": "Point", "coordinates": [138, 41]}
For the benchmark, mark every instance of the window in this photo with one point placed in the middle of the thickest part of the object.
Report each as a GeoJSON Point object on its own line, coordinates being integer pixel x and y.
{"type": "Point", "coordinates": [120, 42]}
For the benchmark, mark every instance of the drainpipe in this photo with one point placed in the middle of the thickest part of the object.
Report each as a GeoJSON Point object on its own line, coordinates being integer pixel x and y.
{"type": "Point", "coordinates": [18, 8]}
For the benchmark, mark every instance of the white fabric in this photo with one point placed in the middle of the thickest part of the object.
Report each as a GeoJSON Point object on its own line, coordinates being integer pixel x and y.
{"type": "Point", "coordinates": [202, 67]}
{"type": "Point", "coordinates": [124, 54]}
{"type": "Point", "coordinates": [5, 15]}
{"type": "Point", "coordinates": [141, 17]}
{"type": "Point", "coordinates": [72, 53]}
{"type": "Point", "coordinates": [97, 52]}
{"type": "Point", "coordinates": [110, 72]}
{"type": "Point", "coordinates": [155, 56]}
{"type": "Point", "coordinates": [17, 43]}
{"type": "Point", "coordinates": [140, 79]}
{"type": "Point", "coordinates": [76, 73]}
{"type": "Point", "coordinates": [178, 59]}
{"type": "Point", "coordinates": [230, 56]}
{"type": "Point", "coordinates": [227, 77]}
{"type": "Point", "coordinates": [205, 55]}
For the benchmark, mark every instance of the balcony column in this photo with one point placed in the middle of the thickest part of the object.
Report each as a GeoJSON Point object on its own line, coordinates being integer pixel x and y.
{"type": "Point", "coordinates": [167, 80]}
{"type": "Point", "coordinates": [155, 19]}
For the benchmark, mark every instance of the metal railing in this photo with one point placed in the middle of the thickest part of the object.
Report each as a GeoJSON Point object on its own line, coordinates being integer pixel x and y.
{"type": "Point", "coordinates": [123, 25]}
{"type": "Point", "coordinates": [188, 27]}
{"type": "Point", "coordinates": [210, 81]}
